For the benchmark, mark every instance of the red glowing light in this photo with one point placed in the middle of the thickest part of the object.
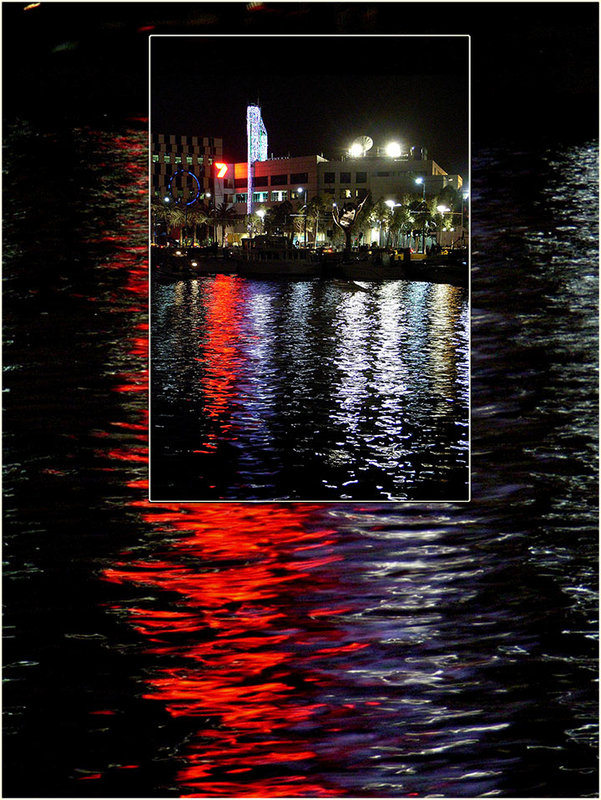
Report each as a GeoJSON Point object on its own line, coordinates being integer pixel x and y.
{"type": "Point", "coordinates": [222, 169]}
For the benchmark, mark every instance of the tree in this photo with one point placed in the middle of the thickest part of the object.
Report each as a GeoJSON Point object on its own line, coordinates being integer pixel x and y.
{"type": "Point", "coordinates": [159, 215]}
{"type": "Point", "coordinates": [225, 216]}
{"type": "Point", "coordinates": [198, 214]}
{"type": "Point", "coordinates": [166, 213]}
{"type": "Point", "coordinates": [380, 216]}
{"type": "Point", "coordinates": [401, 221]}
{"type": "Point", "coordinates": [278, 218]}
{"type": "Point", "coordinates": [346, 217]}
{"type": "Point", "coordinates": [318, 211]}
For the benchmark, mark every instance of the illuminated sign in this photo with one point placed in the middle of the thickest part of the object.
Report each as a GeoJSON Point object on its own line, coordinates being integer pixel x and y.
{"type": "Point", "coordinates": [221, 169]}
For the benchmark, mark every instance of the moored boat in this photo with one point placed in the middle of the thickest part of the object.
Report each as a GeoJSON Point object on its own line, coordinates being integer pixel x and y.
{"type": "Point", "coordinates": [275, 257]}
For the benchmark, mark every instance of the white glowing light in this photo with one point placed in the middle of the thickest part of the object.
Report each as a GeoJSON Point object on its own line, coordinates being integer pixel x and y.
{"type": "Point", "coordinates": [393, 150]}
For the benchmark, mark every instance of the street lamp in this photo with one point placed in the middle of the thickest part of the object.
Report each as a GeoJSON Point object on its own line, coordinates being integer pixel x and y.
{"type": "Point", "coordinates": [261, 215]}
{"type": "Point", "coordinates": [442, 210]}
{"type": "Point", "coordinates": [423, 185]}
{"type": "Point", "coordinates": [391, 205]}
{"type": "Point", "coordinates": [303, 192]}
{"type": "Point", "coordinates": [465, 195]}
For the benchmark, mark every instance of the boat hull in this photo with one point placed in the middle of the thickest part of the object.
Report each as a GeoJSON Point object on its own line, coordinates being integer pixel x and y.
{"type": "Point", "coordinates": [278, 269]}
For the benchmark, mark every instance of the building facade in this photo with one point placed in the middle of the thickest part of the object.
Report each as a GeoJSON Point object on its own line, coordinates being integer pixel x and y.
{"type": "Point", "coordinates": [190, 168]}
{"type": "Point", "coordinates": [347, 180]}
{"type": "Point", "coordinates": [182, 167]}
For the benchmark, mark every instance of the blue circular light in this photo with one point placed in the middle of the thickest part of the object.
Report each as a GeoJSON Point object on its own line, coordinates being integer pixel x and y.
{"type": "Point", "coordinates": [192, 175]}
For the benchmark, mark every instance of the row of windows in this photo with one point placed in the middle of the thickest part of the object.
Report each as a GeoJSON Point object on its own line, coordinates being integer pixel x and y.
{"type": "Point", "coordinates": [361, 177]}
{"type": "Point", "coordinates": [263, 197]}
{"type": "Point", "coordinates": [179, 139]}
{"type": "Point", "coordinates": [171, 149]}
{"type": "Point", "coordinates": [186, 159]}
{"type": "Point", "coordinates": [344, 177]}
{"type": "Point", "coordinates": [346, 194]}
{"type": "Point", "coordinates": [163, 179]}
{"type": "Point", "coordinates": [281, 195]}
{"type": "Point", "coordinates": [275, 180]}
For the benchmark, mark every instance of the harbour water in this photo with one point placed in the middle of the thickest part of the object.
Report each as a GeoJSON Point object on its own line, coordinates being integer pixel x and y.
{"type": "Point", "coordinates": [301, 649]}
{"type": "Point", "coordinates": [309, 390]}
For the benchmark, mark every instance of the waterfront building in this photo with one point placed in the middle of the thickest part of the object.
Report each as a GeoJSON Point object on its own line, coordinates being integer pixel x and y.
{"type": "Point", "coordinates": [348, 179]}
{"type": "Point", "coordinates": [182, 167]}
{"type": "Point", "coordinates": [188, 167]}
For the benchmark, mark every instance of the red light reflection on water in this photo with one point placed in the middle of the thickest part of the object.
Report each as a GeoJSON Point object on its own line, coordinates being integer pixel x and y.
{"type": "Point", "coordinates": [236, 615]}
{"type": "Point", "coordinates": [220, 354]}
{"type": "Point", "coordinates": [241, 601]}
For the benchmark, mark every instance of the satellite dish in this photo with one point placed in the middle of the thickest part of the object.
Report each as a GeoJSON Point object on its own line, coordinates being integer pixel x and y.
{"type": "Point", "coordinates": [361, 145]}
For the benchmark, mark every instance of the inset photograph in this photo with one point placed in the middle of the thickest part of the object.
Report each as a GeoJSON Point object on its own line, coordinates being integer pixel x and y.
{"type": "Point", "coordinates": [309, 268]}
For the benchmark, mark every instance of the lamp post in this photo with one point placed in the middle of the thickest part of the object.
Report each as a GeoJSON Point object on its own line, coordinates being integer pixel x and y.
{"type": "Point", "coordinates": [422, 182]}
{"type": "Point", "coordinates": [464, 197]}
{"type": "Point", "coordinates": [302, 191]}
{"type": "Point", "coordinates": [442, 210]}
{"type": "Point", "coordinates": [392, 205]}
{"type": "Point", "coordinates": [261, 215]}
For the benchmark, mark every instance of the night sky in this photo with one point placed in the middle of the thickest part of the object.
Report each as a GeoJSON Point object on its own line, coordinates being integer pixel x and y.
{"type": "Point", "coordinates": [317, 93]}
{"type": "Point", "coordinates": [534, 72]}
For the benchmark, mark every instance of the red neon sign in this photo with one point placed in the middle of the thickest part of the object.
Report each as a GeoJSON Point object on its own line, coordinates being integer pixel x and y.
{"type": "Point", "coordinates": [222, 169]}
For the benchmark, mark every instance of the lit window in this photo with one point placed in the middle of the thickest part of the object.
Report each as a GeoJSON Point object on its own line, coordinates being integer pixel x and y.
{"type": "Point", "coordinates": [167, 158]}
{"type": "Point", "coordinates": [279, 197]}
{"type": "Point", "coordinates": [178, 159]}
{"type": "Point", "coordinates": [155, 158]}
{"type": "Point", "coordinates": [189, 159]}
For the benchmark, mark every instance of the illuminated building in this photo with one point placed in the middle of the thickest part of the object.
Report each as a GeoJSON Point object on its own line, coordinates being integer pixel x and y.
{"type": "Point", "coordinates": [182, 166]}
{"type": "Point", "coordinates": [387, 172]}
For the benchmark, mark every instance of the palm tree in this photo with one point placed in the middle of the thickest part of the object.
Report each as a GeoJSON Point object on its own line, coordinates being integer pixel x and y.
{"type": "Point", "coordinates": [401, 222]}
{"type": "Point", "coordinates": [278, 218]}
{"type": "Point", "coordinates": [198, 214]}
{"type": "Point", "coordinates": [224, 215]}
{"type": "Point", "coordinates": [318, 210]}
{"type": "Point", "coordinates": [162, 212]}
{"type": "Point", "coordinates": [380, 216]}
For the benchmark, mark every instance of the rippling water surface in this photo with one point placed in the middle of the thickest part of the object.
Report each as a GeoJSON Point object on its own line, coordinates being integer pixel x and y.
{"type": "Point", "coordinates": [309, 390]}
{"type": "Point", "coordinates": [414, 649]}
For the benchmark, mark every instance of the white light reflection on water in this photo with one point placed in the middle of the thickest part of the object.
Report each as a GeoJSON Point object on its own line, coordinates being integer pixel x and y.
{"type": "Point", "coordinates": [360, 384]}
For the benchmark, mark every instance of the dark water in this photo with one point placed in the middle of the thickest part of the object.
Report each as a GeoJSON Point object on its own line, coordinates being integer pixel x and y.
{"type": "Point", "coordinates": [412, 649]}
{"type": "Point", "coordinates": [309, 390]}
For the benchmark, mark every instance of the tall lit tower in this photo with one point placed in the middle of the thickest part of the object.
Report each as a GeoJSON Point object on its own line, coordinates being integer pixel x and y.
{"type": "Point", "coordinates": [256, 138]}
